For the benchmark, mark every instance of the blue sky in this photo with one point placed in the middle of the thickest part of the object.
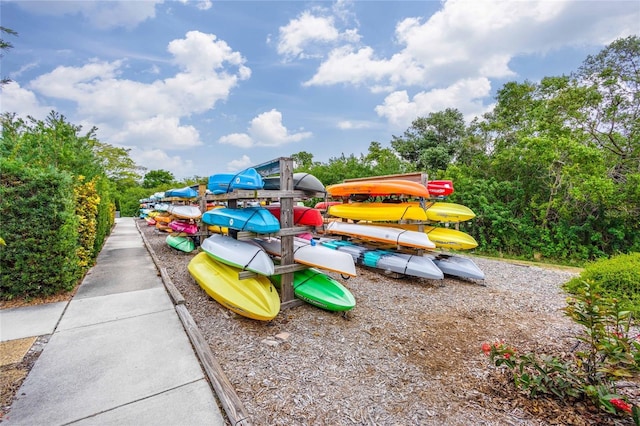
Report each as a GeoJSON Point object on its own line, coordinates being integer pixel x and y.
{"type": "Point", "coordinates": [205, 87]}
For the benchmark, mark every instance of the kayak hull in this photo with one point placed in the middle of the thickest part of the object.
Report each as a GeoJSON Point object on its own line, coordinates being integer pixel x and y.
{"type": "Point", "coordinates": [441, 237]}
{"type": "Point", "coordinates": [240, 254]}
{"type": "Point", "coordinates": [378, 188]}
{"type": "Point", "coordinates": [382, 234]}
{"type": "Point", "coordinates": [304, 216]}
{"type": "Point", "coordinates": [318, 289]}
{"type": "Point", "coordinates": [457, 266]}
{"type": "Point", "coordinates": [185, 212]}
{"type": "Point", "coordinates": [222, 183]}
{"type": "Point", "coordinates": [184, 244]}
{"type": "Point", "coordinates": [378, 211]}
{"type": "Point", "coordinates": [312, 254]}
{"type": "Point", "coordinates": [254, 298]}
{"type": "Point", "coordinates": [305, 182]}
{"type": "Point", "coordinates": [252, 219]}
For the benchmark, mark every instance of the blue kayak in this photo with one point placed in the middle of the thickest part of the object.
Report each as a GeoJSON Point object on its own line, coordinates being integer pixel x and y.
{"type": "Point", "coordinates": [252, 219]}
{"type": "Point", "coordinates": [222, 183]}
{"type": "Point", "coordinates": [186, 192]}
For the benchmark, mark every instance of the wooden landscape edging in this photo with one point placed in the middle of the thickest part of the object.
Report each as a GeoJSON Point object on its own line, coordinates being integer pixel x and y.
{"type": "Point", "coordinates": [231, 403]}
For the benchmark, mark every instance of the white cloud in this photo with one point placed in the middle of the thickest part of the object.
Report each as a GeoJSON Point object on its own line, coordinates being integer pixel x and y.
{"type": "Point", "coordinates": [353, 125]}
{"type": "Point", "coordinates": [265, 130]}
{"type": "Point", "coordinates": [15, 98]}
{"type": "Point", "coordinates": [464, 95]}
{"type": "Point", "coordinates": [154, 159]}
{"type": "Point", "coordinates": [100, 14]}
{"type": "Point", "coordinates": [474, 39]}
{"type": "Point", "coordinates": [240, 164]}
{"type": "Point", "coordinates": [146, 117]}
{"type": "Point", "coordinates": [241, 140]}
{"type": "Point", "coordinates": [305, 36]}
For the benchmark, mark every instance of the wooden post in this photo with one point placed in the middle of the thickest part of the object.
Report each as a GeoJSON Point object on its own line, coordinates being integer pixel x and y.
{"type": "Point", "coordinates": [202, 197]}
{"type": "Point", "coordinates": [286, 221]}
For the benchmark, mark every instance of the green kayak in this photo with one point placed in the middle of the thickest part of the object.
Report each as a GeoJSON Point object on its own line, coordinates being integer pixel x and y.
{"type": "Point", "coordinates": [184, 244]}
{"type": "Point", "coordinates": [320, 290]}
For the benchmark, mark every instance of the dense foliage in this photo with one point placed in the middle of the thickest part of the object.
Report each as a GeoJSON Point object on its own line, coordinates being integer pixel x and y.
{"type": "Point", "coordinates": [53, 150]}
{"type": "Point", "coordinates": [40, 229]}
{"type": "Point", "coordinates": [616, 278]}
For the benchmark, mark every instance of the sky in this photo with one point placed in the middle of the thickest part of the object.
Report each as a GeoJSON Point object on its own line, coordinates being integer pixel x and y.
{"type": "Point", "coordinates": [204, 87]}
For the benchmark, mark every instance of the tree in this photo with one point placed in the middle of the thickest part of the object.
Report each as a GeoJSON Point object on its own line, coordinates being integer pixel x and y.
{"type": "Point", "coordinates": [432, 142]}
{"type": "Point", "coordinates": [613, 116]}
{"type": "Point", "coordinates": [303, 160]}
{"type": "Point", "coordinates": [383, 161]}
{"type": "Point", "coordinates": [157, 179]}
{"type": "Point", "coordinates": [5, 46]}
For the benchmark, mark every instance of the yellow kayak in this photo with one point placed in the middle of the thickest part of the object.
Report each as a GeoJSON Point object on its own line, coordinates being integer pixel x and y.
{"type": "Point", "coordinates": [254, 298]}
{"type": "Point", "coordinates": [378, 212]}
{"type": "Point", "coordinates": [441, 237]}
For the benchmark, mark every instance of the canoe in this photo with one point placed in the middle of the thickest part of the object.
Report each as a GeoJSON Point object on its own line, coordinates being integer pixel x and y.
{"type": "Point", "coordinates": [181, 226]}
{"type": "Point", "coordinates": [457, 266]}
{"type": "Point", "coordinates": [254, 298]}
{"type": "Point", "coordinates": [378, 188]}
{"type": "Point", "coordinates": [441, 237]}
{"type": "Point", "coordinates": [184, 244]}
{"type": "Point", "coordinates": [440, 188]}
{"type": "Point", "coordinates": [388, 261]}
{"type": "Point", "coordinates": [379, 211]}
{"type": "Point", "coordinates": [301, 181]}
{"type": "Point", "coordinates": [240, 254]}
{"type": "Point", "coordinates": [222, 183]}
{"type": "Point", "coordinates": [186, 192]}
{"type": "Point", "coordinates": [304, 216]}
{"type": "Point", "coordinates": [252, 219]}
{"type": "Point", "coordinates": [383, 234]}
{"type": "Point", "coordinates": [312, 254]}
{"type": "Point", "coordinates": [185, 212]}
{"type": "Point", "coordinates": [320, 290]}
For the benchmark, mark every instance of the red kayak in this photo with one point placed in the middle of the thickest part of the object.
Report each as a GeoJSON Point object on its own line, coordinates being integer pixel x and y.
{"type": "Point", "coordinates": [440, 188]}
{"type": "Point", "coordinates": [302, 215]}
{"type": "Point", "coordinates": [324, 205]}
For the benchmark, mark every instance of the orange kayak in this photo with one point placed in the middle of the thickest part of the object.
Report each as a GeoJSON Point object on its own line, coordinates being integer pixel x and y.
{"type": "Point", "coordinates": [378, 188]}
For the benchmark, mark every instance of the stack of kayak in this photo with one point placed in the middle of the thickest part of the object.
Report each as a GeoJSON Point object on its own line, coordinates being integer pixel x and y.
{"type": "Point", "coordinates": [399, 210]}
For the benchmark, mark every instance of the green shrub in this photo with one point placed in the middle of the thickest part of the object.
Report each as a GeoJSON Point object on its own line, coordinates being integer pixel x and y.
{"type": "Point", "coordinates": [40, 228]}
{"type": "Point", "coordinates": [617, 278]}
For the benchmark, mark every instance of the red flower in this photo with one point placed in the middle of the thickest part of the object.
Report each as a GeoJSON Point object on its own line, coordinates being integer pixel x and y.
{"type": "Point", "coordinates": [486, 348]}
{"type": "Point", "coordinates": [507, 355]}
{"type": "Point", "coordinates": [621, 405]}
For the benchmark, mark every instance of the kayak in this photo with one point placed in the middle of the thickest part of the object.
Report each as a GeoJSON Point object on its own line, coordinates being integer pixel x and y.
{"type": "Point", "coordinates": [182, 226]}
{"type": "Point", "coordinates": [254, 298]}
{"type": "Point", "coordinates": [301, 181]}
{"type": "Point", "coordinates": [186, 192]}
{"type": "Point", "coordinates": [382, 234]}
{"type": "Point", "coordinates": [305, 216]}
{"type": "Point", "coordinates": [320, 290]}
{"type": "Point", "coordinates": [457, 266]}
{"type": "Point", "coordinates": [184, 244]}
{"type": "Point", "coordinates": [378, 188]}
{"type": "Point", "coordinates": [237, 253]}
{"type": "Point", "coordinates": [440, 188]}
{"type": "Point", "coordinates": [378, 211]}
{"type": "Point", "coordinates": [222, 183]}
{"type": "Point", "coordinates": [441, 237]}
{"type": "Point", "coordinates": [448, 212]}
{"type": "Point", "coordinates": [312, 254]}
{"type": "Point", "coordinates": [185, 212]}
{"type": "Point", "coordinates": [388, 261]}
{"type": "Point", "coordinates": [252, 219]}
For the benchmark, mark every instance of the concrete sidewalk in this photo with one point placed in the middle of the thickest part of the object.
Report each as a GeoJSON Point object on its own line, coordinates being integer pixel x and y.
{"type": "Point", "coordinates": [118, 354]}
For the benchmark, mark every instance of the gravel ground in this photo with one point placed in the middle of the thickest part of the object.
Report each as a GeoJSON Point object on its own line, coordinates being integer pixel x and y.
{"type": "Point", "coordinates": [407, 354]}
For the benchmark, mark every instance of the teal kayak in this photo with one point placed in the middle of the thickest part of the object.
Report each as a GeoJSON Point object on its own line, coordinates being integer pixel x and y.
{"type": "Point", "coordinates": [320, 290]}
{"type": "Point", "coordinates": [184, 244]}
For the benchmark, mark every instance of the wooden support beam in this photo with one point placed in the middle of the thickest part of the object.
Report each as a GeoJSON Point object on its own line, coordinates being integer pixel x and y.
{"type": "Point", "coordinates": [279, 270]}
{"type": "Point", "coordinates": [286, 221]}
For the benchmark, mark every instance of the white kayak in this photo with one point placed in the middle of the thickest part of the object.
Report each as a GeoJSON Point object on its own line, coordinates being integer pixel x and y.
{"type": "Point", "coordinates": [312, 254]}
{"type": "Point", "coordinates": [400, 237]}
{"type": "Point", "coordinates": [185, 212]}
{"type": "Point", "coordinates": [241, 254]}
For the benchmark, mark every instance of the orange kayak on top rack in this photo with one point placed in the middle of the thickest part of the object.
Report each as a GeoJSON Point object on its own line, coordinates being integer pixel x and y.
{"type": "Point", "coordinates": [378, 188]}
